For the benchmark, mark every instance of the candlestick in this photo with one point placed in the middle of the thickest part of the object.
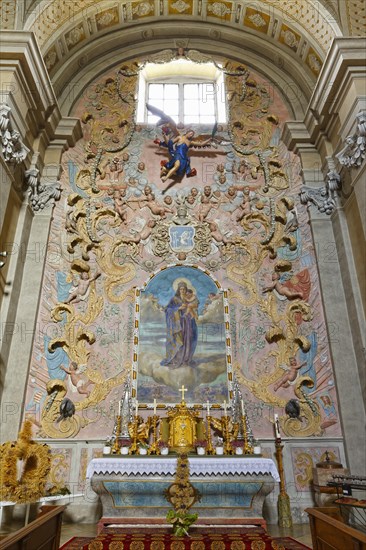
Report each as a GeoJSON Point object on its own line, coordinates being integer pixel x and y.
{"type": "Point", "coordinates": [242, 407]}
{"type": "Point", "coordinates": [137, 408]}
{"type": "Point", "coordinates": [225, 408]}
{"type": "Point", "coordinates": [119, 408]}
{"type": "Point", "coordinates": [208, 407]}
{"type": "Point", "coordinates": [277, 427]}
{"type": "Point", "coordinates": [154, 407]}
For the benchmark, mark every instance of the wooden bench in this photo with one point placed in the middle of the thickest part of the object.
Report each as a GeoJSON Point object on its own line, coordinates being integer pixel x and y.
{"type": "Point", "coordinates": [41, 534]}
{"type": "Point", "coordinates": [329, 532]}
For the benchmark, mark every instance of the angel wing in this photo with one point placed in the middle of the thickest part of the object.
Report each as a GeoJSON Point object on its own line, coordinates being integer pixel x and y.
{"type": "Point", "coordinates": [214, 140]}
{"type": "Point", "coordinates": [164, 120]}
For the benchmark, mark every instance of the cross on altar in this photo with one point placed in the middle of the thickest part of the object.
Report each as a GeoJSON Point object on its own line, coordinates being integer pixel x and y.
{"type": "Point", "coordinates": [183, 389]}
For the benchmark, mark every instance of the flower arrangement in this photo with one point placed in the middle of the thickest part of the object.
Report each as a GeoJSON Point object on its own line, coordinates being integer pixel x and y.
{"type": "Point", "coordinates": [237, 444]}
{"type": "Point", "coordinates": [182, 495]}
{"type": "Point", "coordinates": [162, 444]}
{"type": "Point", "coordinates": [143, 445]}
{"type": "Point", "coordinates": [200, 443]}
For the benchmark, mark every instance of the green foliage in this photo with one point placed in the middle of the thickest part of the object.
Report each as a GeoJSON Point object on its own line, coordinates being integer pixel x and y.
{"type": "Point", "coordinates": [181, 522]}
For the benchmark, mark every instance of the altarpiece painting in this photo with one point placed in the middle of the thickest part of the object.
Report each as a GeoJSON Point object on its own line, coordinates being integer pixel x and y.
{"type": "Point", "coordinates": [182, 337]}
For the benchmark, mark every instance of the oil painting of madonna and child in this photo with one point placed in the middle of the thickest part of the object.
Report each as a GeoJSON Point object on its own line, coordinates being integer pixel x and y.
{"type": "Point", "coordinates": [182, 338]}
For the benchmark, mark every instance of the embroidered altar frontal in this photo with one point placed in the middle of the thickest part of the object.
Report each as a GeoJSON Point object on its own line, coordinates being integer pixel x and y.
{"type": "Point", "coordinates": [164, 541]}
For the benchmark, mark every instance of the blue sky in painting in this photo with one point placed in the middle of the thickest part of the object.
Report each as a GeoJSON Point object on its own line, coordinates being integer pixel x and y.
{"type": "Point", "coordinates": [161, 286]}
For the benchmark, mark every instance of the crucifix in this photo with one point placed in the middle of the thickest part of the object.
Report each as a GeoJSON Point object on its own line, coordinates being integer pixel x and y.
{"type": "Point", "coordinates": [183, 389]}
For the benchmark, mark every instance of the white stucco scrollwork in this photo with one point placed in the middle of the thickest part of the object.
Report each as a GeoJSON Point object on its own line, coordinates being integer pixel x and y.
{"type": "Point", "coordinates": [354, 150]}
{"type": "Point", "coordinates": [13, 148]}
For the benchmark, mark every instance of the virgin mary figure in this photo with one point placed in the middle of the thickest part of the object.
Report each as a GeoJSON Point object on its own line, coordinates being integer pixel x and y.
{"type": "Point", "coordinates": [181, 314]}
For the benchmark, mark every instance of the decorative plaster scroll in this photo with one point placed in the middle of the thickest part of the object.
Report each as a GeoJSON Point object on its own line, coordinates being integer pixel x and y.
{"type": "Point", "coordinates": [324, 198]}
{"type": "Point", "coordinates": [319, 197]}
{"type": "Point", "coordinates": [41, 195]}
{"type": "Point", "coordinates": [13, 148]}
{"type": "Point", "coordinates": [354, 151]}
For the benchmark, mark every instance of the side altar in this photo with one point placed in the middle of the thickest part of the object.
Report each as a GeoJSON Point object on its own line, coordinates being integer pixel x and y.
{"type": "Point", "coordinates": [132, 489]}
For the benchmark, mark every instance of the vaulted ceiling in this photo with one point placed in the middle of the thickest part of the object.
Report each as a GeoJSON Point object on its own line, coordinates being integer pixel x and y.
{"type": "Point", "coordinates": [291, 34]}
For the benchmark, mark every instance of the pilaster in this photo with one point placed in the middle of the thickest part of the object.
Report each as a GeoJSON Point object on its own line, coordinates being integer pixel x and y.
{"type": "Point", "coordinates": [33, 136]}
{"type": "Point", "coordinates": [337, 101]}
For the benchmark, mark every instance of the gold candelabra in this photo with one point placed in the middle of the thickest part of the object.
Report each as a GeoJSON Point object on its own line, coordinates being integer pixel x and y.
{"type": "Point", "coordinates": [209, 448]}
{"type": "Point", "coordinates": [226, 434]}
{"type": "Point", "coordinates": [248, 449]}
{"type": "Point", "coordinates": [153, 448]}
{"type": "Point", "coordinates": [115, 448]}
{"type": "Point", "coordinates": [134, 428]}
{"type": "Point", "coordinates": [283, 502]}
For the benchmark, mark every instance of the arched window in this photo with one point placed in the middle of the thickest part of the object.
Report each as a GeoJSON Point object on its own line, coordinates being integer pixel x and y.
{"type": "Point", "coordinates": [190, 93]}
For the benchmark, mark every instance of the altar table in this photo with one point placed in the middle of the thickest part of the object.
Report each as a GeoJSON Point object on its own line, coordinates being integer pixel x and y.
{"type": "Point", "coordinates": [132, 489]}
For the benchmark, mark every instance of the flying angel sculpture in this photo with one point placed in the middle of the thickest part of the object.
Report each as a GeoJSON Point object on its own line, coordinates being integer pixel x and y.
{"type": "Point", "coordinates": [178, 145]}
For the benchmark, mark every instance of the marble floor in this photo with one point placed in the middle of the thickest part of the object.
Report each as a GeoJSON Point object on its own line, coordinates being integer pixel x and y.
{"type": "Point", "coordinates": [300, 533]}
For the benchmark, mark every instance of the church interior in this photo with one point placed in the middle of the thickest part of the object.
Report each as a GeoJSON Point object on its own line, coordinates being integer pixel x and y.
{"type": "Point", "coordinates": [183, 266]}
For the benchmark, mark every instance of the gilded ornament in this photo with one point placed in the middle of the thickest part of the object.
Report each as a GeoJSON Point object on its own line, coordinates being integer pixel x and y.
{"type": "Point", "coordinates": [30, 486]}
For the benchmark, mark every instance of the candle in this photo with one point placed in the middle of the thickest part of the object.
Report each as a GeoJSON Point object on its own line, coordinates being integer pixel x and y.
{"type": "Point", "coordinates": [119, 408]}
{"type": "Point", "coordinates": [277, 427]}
{"type": "Point", "coordinates": [225, 408]}
{"type": "Point", "coordinates": [137, 408]}
{"type": "Point", "coordinates": [208, 407]}
{"type": "Point", "coordinates": [154, 407]}
{"type": "Point", "coordinates": [242, 407]}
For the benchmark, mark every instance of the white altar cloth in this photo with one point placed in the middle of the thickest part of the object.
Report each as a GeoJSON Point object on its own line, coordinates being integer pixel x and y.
{"type": "Point", "coordinates": [208, 465]}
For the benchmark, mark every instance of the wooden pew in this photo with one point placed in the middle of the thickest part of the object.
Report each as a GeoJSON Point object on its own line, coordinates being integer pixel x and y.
{"type": "Point", "coordinates": [329, 532]}
{"type": "Point", "coordinates": [41, 534]}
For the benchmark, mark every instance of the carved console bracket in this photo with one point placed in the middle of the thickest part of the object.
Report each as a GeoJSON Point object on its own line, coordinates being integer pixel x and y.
{"type": "Point", "coordinates": [354, 150]}
{"type": "Point", "coordinates": [324, 198]}
{"type": "Point", "coordinates": [40, 195]}
{"type": "Point", "coordinates": [12, 146]}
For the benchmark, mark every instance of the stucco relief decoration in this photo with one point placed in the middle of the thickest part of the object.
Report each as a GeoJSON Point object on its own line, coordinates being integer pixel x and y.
{"type": "Point", "coordinates": [123, 217]}
{"type": "Point", "coordinates": [304, 460]}
{"type": "Point", "coordinates": [40, 195]}
{"type": "Point", "coordinates": [219, 9]}
{"type": "Point", "coordinates": [324, 198]}
{"type": "Point", "coordinates": [289, 39]}
{"type": "Point", "coordinates": [106, 18]}
{"type": "Point", "coordinates": [51, 59]}
{"type": "Point", "coordinates": [354, 151]}
{"type": "Point", "coordinates": [180, 6]}
{"type": "Point", "coordinates": [314, 63]}
{"type": "Point", "coordinates": [13, 148]}
{"type": "Point", "coordinates": [257, 20]}
{"type": "Point", "coordinates": [142, 9]}
{"type": "Point", "coordinates": [75, 36]}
